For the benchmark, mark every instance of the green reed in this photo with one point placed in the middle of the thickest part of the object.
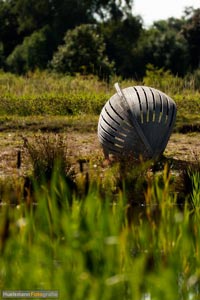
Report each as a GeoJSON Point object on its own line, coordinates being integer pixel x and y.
{"type": "Point", "coordinates": [100, 247]}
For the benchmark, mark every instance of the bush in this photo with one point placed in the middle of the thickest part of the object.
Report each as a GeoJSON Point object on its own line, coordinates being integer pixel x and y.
{"type": "Point", "coordinates": [163, 80]}
{"type": "Point", "coordinates": [33, 53]}
{"type": "Point", "coordinates": [83, 52]}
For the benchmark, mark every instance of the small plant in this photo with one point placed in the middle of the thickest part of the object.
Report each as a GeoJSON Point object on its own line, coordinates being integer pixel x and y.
{"type": "Point", "coordinates": [49, 158]}
{"type": "Point", "coordinates": [188, 185]}
{"type": "Point", "coordinates": [47, 152]}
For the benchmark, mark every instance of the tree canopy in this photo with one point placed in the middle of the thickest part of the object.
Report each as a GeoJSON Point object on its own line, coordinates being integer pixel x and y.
{"type": "Point", "coordinates": [83, 52]}
{"type": "Point", "coordinates": [34, 33]}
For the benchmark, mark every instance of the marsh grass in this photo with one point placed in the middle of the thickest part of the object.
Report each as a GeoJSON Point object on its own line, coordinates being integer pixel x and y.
{"type": "Point", "coordinates": [45, 152]}
{"type": "Point", "coordinates": [49, 155]}
{"type": "Point", "coordinates": [44, 93]}
{"type": "Point", "coordinates": [101, 244]}
{"type": "Point", "coordinates": [89, 248]}
{"type": "Point", "coordinates": [189, 185]}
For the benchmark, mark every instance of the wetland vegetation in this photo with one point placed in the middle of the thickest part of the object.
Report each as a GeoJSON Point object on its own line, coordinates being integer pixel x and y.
{"type": "Point", "coordinates": [91, 230]}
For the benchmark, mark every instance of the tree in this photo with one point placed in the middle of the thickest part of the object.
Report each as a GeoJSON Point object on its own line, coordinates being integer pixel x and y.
{"type": "Point", "coordinates": [32, 53]}
{"type": "Point", "coordinates": [121, 38]}
{"type": "Point", "coordinates": [9, 35]}
{"type": "Point", "coordinates": [20, 18]}
{"type": "Point", "coordinates": [62, 15]}
{"type": "Point", "coordinates": [164, 46]}
{"type": "Point", "coordinates": [83, 51]}
{"type": "Point", "coordinates": [191, 32]}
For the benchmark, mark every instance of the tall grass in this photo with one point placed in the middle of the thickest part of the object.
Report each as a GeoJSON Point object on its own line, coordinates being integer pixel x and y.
{"type": "Point", "coordinates": [43, 93]}
{"type": "Point", "coordinates": [89, 249]}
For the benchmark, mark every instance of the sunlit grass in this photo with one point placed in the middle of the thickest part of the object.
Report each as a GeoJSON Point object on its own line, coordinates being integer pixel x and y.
{"type": "Point", "coordinates": [89, 249]}
{"type": "Point", "coordinates": [43, 94]}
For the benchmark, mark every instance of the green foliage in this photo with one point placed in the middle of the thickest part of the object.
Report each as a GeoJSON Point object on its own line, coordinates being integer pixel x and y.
{"type": "Point", "coordinates": [194, 79]}
{"type": "Point", "coordinates": [90, 250]}
{"type": "Point", "coordinates": [33, 53]}
{"type": "Point", "coordinates": [121, 40]}
{"type": "Point", "coordinates": [174, 85]}
{"type": "Point", "coordinates": [171, 44]}
{"type": "Point", "coordinates": [21, 18]}
{"type": "Point", "coordinates": [191, 32]}
{"type": "Point", "coordinates": [46, 153]}
{"type": "Point", "coordinates": [193, 177]}
{"type": "Point", "coordinates": [162, 44]}
{"type": "Point", "coordinates": [70, 99]}
{"type": "Point", "coordinates": [66, 14]}
{"type": "Point", "coordinates": [83, 52]}
{"type": "Point", "coordinates": [43, 93]}
{"type": "Point", "coordinates": [163, 80]}
{"type": "Point", "coordinates": [9, 35]}
{"type": "Point", "coordinates": [49, 156]}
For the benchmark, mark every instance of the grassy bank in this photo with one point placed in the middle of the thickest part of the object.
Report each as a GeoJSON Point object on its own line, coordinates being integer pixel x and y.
{"type": "Point", "coordinates": [43, 94]}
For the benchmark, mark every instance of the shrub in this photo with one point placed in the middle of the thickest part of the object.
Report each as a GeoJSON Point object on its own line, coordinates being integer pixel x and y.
{"type": "Point", "coordinates": [163, 80]}
{"type": "Point", "coordinates": [83, 52]}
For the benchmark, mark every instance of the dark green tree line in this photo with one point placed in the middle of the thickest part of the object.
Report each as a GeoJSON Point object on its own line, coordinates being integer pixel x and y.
{"type": "Point", "coordinates": [20, 18]}
{"type": "Point", "coordinates": [164, 46]}
{"type": "Point", "coordinates": [46, 33]}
